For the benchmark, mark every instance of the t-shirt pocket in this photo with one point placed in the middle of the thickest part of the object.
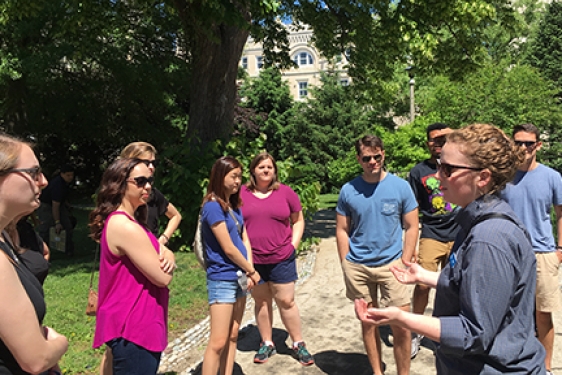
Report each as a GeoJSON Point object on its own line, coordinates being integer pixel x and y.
{"type": "Point", "coordinates": [389, 207]}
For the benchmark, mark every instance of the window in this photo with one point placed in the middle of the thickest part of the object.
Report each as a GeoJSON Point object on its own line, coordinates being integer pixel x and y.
{"type": "Point", "coordinates": [245, 62]}
{"type": "Point", "coordinates": [344, 82]}
{"type": "Point", "coordinates": [303, 59]}
{"type": "Point", "coordinates": [303, 90]}
{"type": "Point", "coordinates": [259, 62]}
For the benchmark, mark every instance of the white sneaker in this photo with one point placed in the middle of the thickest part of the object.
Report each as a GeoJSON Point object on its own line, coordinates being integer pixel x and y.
{"type": "Point", "coordinates": [548, 372]}
{"type": "Point", "coordinates": [416, 340]}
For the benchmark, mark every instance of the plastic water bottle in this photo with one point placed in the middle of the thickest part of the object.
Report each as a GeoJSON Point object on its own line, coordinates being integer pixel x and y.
{"type": "Point", "coordinates": [242, 280]}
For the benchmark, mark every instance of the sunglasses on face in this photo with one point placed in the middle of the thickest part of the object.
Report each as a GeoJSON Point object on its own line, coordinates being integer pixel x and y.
{"type": "Point", "coordinates": [141, 181]}
{"type": "Point", "coordinates": [154, 162]}
{"type": "Point", "coordinates": [35, 172]}
{"type": "Point", "coordinates": [437, 141]}
{"type": "Point", "coordinates": [367, 159]}
{"type": "Point", "coordinates": [447, 168]}
{"type": "Point", "coordinates": [525, 143]}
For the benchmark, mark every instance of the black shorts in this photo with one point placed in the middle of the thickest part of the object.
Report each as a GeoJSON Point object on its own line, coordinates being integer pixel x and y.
{"type": "Point", "coordinates": [279, 273]}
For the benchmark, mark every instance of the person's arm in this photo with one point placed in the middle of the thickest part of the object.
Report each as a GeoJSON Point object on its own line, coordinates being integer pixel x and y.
{"type": "Point", "coordinates": [253, 278]}
{"type": "Point", "coordinates": [174, 221]}
{"type": "Point", "coordinates": [46, 251]}
{"type": "Point", "coordinates": [297, 220]}
{"type": "Point", "coordinates": [558, 212]}
{"type": "Point", "coordinates": [415, 274]}
{"type": "Point", "coordinates": [128, 238]}
{"type": "Point", "coordinates": [411, 224]}
{"type": "Point", "coordinates": [55, 207]}
{"type": "Point", "coordinates": [35, 348]}
{"type": "Point", "coordinates": [342, 235]}
{"type": "Point", "coordinates": [428, 326]}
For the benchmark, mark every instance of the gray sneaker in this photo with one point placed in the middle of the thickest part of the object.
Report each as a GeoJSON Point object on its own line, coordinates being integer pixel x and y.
{"type": "Point", "coordinates": [416, 340]}
{"type": "Point", "coordinates": [264, 353]}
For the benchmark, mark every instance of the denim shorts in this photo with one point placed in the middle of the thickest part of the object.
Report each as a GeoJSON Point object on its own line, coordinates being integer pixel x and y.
{"type": "Point", "coordinates": [283, 272]}
{"type": "Point", "coordinates": [220, 291]}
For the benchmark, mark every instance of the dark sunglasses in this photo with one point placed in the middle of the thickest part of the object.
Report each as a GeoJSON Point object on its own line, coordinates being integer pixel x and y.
{"type": "Point", "coordinates": [447, 168]}
{"type": "Point", "coordinates": [154, 162]}
{"type": "Point", "coordinates": [367, 159]}
{"type": "Point", "coordinates": [525, 143]}
{"type": "Point", "coordinates": [141, 181]}
{"type": "Point", "coordinates": [35, 172]}
{"type": "Point", "coordinates": [437, 141]}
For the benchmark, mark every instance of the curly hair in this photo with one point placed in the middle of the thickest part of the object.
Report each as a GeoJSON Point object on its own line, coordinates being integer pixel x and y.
{"type": "Point", "coordinates": [110, 195]}
{"type": "Point", "coordinates": [216, 190]}
{"type": "Point", "coordinates": [487, 146]}
{"type": "Point", "coordinates": [254, 163]}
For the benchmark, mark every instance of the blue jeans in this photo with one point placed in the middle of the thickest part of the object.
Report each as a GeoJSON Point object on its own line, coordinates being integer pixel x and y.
{"type": "Point", "coordinates": [131, 359]}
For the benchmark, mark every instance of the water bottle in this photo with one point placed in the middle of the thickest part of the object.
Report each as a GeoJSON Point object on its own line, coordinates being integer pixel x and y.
{"type": "Point", "coordinates": [242, 280]}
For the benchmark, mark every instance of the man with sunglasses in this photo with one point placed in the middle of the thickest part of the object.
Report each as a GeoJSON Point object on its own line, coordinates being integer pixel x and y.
{"type": "Point", "coordinates": [372, 211]}
{"type": "Point", "coordinates": [532, 194]}
{"type": "Point", "coordinates": [439, 227]}
{"type": "Point", "coordinates": [55, 209]}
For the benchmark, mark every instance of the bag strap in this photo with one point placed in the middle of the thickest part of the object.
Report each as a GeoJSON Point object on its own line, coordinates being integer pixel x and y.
{"type": "Point", "coordinates": [94, 266]}
{"type": "Point", "coordinates": [236, 221]}
{"type": "Point", "coordinates": [499, 215]}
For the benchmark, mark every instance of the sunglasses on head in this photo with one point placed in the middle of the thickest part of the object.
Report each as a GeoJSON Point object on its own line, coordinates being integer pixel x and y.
{"type": "Point", "coordinates": [141, 181]}
{"type": "Point", "coordinates": [525, 143]}
{"type": "Point", "coordinates": [368, 158]}
{"type": "Point", "coordinates": [154, 162]}
{"type": "Point", "coordinates": [447, 168]}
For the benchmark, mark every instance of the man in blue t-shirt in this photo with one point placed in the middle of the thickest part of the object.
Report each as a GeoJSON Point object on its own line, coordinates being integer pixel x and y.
{"type": "Point", "coordinates": [372, 211]}
{"type": "Point", "coordinates": [439, 227]}
{"type": "Point", "coordinates": [534, 191]}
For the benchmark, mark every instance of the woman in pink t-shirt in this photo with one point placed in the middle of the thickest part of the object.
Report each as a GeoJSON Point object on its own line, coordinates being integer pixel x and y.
{"type": "Point", "coordinates": [134, 276]}
{"type": "Point", "coordinates": [275, 224]}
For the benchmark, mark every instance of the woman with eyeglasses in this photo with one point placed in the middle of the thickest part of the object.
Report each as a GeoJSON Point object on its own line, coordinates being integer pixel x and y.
{"type": "Point", "coordinates": [25, 345]}
{"type": "Point", "coordinates": [157, 205]}
{"type": "Point", "coordinates": [484, 302]}
{"type": "Point", "coordinates": [229, 263]}
{"type": "Point", "coordinates": [133, 285]}
{"type": "Point", "coordinates": [275, 223]}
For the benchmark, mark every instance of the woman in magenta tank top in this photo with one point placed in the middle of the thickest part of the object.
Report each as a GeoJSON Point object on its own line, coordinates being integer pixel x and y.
{"type": "Point", "coordinates": [134, 276]}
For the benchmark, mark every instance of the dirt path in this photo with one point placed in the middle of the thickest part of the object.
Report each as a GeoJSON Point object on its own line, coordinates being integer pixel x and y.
{"type": "Point", "coordinates": [331, 331]}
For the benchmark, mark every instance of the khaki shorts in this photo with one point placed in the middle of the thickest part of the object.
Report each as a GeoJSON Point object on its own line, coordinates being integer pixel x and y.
{"type": "Point", "coordinates": [363, 282]}
{"type": "Point", "coordinates": [433, 253]}
{"type": "Point", "coordinates": [548, 291]}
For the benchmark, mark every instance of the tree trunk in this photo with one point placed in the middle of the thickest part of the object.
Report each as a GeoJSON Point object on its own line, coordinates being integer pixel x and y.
{"type": "Point", "coordinates": [213, 83]}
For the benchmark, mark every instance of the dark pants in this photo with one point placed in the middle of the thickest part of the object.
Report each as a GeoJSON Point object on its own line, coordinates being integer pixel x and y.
{"type": "Point", "coordinates": [45, 214]}
{"type": "Point", "coordinates": [131, 359]}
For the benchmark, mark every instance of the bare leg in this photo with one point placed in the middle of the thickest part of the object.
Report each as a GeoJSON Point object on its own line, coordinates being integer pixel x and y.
{"type": "Point", "coordinates": [421, 297]}
{"type": "Point", "coordinates": [372, 342]}
{"type": "Point", "coordinates": [284, 295]}
{"type": "Point", "coordinates": [401, 347]}
{"type": "Point", "coordinates": [229, 352]}
{"type": "Point", "coordinates": [545, 330]}
{"type": "Point", "coordinates": [263, 309]}
{"type": "Point", "coordinates": [221, 320]}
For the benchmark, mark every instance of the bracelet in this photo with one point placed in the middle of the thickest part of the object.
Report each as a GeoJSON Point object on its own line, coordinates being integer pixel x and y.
{"type": "Point", "coordinates": [166, 237]}
{"type": "Point", "coordinates": [57, 221]}
{"type": "Point", "coordinates": [559, 248]}
{"type": "Point", "coordinates": [251, 273]}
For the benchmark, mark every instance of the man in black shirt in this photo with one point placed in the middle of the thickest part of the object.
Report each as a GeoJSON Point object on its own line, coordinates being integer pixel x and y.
{"type": "Point", "coordinates": [439, 227]}
{"type": "Point", "coordinates": [54, 210]}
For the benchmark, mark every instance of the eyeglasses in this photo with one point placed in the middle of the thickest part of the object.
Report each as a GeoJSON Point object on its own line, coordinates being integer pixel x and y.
{"type": "Point", "coordinates": [437, 141]}
{"type": "Point", "coordinates": [154, 162]}
{"type": "Point", "coordinates": [35, 173]}
{"type": "Point", "coordinates": [447, 168]}
{"type": "Point", "coordinates": [525, 143]}
{"type": "Point", "coordinates": [141, 181]}
{"type": "Point", "coordinates": [367, 159]}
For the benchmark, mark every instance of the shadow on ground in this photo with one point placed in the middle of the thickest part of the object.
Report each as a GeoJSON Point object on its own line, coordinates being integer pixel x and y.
{"type": "Point", "coordinates": [323, 224]}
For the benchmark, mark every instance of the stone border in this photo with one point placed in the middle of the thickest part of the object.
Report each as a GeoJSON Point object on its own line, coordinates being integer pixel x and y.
{"type": "Point", "coordinates": [199, 334]}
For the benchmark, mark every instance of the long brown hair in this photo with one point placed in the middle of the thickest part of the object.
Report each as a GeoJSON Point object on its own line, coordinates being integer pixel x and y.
{"type": "Point", "coordinates": [110, 195]}
{"type": "Point", "coordinates": [216, 189]}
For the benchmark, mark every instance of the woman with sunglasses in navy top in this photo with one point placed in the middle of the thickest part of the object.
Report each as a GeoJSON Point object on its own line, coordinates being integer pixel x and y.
{"type": "Point", "coordinates": [483, 317]}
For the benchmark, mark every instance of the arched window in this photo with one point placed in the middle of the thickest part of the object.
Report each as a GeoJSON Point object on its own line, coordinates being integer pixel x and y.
{"type": "Point", "coordinates": [303, 59]}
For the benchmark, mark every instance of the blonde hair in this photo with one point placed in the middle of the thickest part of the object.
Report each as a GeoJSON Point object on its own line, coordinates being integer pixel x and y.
{"type": "Point", "coordinates": [10, 149]}
{"type": "Point", "coordinates": [136, 149]}
{"type": "Point", "coordinates": [487, 146]}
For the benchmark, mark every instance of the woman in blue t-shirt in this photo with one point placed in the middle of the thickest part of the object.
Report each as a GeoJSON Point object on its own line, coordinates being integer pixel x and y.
{"type": "Point", "coordinates": [229, 260]}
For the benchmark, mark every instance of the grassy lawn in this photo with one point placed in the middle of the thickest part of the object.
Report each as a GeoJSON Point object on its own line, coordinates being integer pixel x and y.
{"type": "Point", "coordinates": [66, 291]}
{"type": "Point", "coordinates": [328, 201]}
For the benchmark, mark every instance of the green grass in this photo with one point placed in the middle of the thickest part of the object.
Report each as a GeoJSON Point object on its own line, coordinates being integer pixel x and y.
{"type": "Point", "coordinates": [66, 291]}
{"type": "Point", "coordinates": [328, 201]}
